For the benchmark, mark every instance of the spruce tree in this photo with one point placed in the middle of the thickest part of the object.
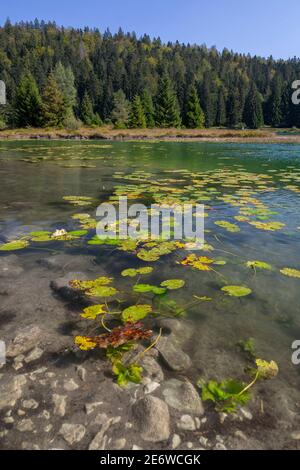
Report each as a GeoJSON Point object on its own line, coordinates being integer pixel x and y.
{"type": "Point", "coordinates": [221, 117]}
{"type": "Point", "coordinates": [137, 116]}
{"type": "Point", "coordinates": [167, 111]}
{"type": "Point", "coordinates": [54, 108]}
{"type": "Point", "coordinates": [234, 112]}
{"type": "Point", "coordinates": [65, 80]}
{"type": "Point", "coordinates": [27, 103]}
{"type": "Point", "coordinates": [87, 114]}
{"type": "Point", "coordinates": [253, 113]}
{"type": "Point", "coordinates": [194, 115]}
{"type": "Point", "coordinates": [274, 117]}
{"type": "Point", "coordinates": [148, 109]}
{"type": "Point", "coordinates": [120, 112]}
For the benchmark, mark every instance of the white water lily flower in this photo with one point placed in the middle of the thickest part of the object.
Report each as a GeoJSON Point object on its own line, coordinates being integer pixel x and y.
{"type": "Point", "coordinates": [59, 233]}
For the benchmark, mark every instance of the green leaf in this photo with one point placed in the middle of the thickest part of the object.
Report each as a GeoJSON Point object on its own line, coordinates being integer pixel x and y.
{"type": "Point", "coordinates": [124, 374]}
{"type": "Point", "coordinates": [131, 272]}
{"type": "Point", "coordinates": [135, 313]}
{"type": "Point", "coordinates": [143, 288]}
{"type": "Point", "coordinates": [93, 311]}
{"type": "Point", "coordinates": [236, 291]}
{"type": "Point", "coordinates": [258, 265]}
{"type": "Point", "coordinates": [14, 245]}
{"type": "Point", "coordinates": [290, 272]}
{"type": "Point", "coordinates": [173, 284]}
{"type": "Point", "coordinates": [228, 226]}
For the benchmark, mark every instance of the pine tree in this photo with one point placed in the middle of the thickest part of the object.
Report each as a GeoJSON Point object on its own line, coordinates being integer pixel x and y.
{"type": "Point", "coordinates": [274, 116]}
{"type": "Point", "coordinates": [120, 112]}
{"type": "Point", "coordinates": [194, 115]}
{"type": "Point", "coordinates": [65, 80]}
{"type": "Point", "coordinates": [234, 112]}
{"type": "Point", "coordinates": [27, 103]}
{"type": "Point", "coordinates": [167, 111]}
{"type": "Point", "coordinates": [54, 108]}
{"type": "Point", "coordinates": [148, 108]}
{"type": "Point", "coordinates": [221, 117]}
{"type": "Point", "coordinates": [137, 116]}
{"type": "Point", "coordinates": [87, 114]}
{"type": "Point", "coordinates": [286, 106]}
{"type": "Point", "coordinates": [253, 113]}
{"type": "Point", "coordinates": [208, 99]}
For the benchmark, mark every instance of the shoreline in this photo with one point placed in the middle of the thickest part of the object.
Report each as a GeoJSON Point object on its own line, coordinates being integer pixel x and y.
{"type": "Point", "coordinates": [108, 133]}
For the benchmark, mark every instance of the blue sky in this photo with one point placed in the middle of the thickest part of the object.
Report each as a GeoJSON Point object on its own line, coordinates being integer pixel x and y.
{"type": "Point", "coordinates": [263, 27]}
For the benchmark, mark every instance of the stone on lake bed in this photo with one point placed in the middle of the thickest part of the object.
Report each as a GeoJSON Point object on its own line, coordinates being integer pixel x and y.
{"type": "Point", "coordinates": [172, 355]}
{"type": "Point", "coordinates": [11, 391]}
{"type": "Point", "coordinates": [72, 433]}
{"type": "Point", "coordinates": [26, 339]}
{"type": "Point", "coordinates": [152, 418]}
{"type": "Point", "coordinates": [183, 396]}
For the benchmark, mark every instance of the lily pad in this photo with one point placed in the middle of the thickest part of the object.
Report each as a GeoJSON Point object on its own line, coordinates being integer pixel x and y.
{"type": "Point", "coordinates": [290, 272]}
{"type": "Point", "coordinates": [93, 311]}
{"type": "Point", "coordinates": [14, 245]}
{"type": "Point", "coordinates": [135, 313]}
{"type": "Point", "coordinates": [131, 272]}
{"type": "Point", "coordinates": [143, 288]}
{"type": "Point", "coordinates": [228, 226]}
{"type": "Point", "coordinates": [237, 291]}
{"type": "Point", "coordinates": [258, 264]}
{"type": "Point", "coordinates": [173, 284]}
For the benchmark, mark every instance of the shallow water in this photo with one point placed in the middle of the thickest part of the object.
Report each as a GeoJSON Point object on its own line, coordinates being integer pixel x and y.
{"type": "Point", "coordinates": [35, 176]}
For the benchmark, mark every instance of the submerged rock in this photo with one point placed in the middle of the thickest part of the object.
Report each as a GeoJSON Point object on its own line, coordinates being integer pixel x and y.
{"type": "Point", "coordinates": [9, 266]}
{"type": "Point", "coordinates": [172, 355]}
{"type": "Point", "coordinates": [26, 339]}
{"type": "Point", "coordinates": [183, 396]}
{"type": "Point", "coordinates": [152, 418]}
{"type": "Point", "coordinates": [11, 391]}
{"type": "Point", "coordinates": [62, 286]}
{"type": "Point", "coordinates": [72, 433]}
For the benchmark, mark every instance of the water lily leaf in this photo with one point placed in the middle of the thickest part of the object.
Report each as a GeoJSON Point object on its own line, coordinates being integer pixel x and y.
{"type": "Point", "coordinates": [103, 241]}
{"type": "Point", "coordinates": [135, 313]}
{"type": "Point", "coordinates": [151, 255]}
{"type": "Point", "coordinates": [122, 335]}
{"type": "Point", "coordinates": [236, 291]}
{"type": "Point", "coordinates": [258, 264]}
{"type": "Point", "coordinates": [290, 272]}
{"type": "Point", "coordinates": [39, 233]}
{"type": "Point", "coordinates": [101, 291]}
{"type": "Point", "coordinates": [173, 284]}
{"type": "Point", "coordinates": [93, 311]}
{"type": "Point", "coordinates": [204, 298]}
{"type": "Point", "coordinates": [271, 226]}
{"type": "Point", "coordinates": [84, 343]}
{"type": "Point", "coordinates": [14, 245]}
{"type": "Point", "coordinates": [131, 272]}
{"type": "Point", "coordinates": [228, 226]}
{"type": "Point", "coordinates": [78, 233]}
{"type": "Point", "coordinates": [143, 288]}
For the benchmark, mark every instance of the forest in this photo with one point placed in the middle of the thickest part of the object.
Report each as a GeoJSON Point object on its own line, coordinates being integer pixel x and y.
{"type": "Point", "coordinates": [65, 77]}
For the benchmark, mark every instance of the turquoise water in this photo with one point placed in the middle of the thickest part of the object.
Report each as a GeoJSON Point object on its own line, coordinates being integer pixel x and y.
{"type": "Point", "coordinates": [258, 184]}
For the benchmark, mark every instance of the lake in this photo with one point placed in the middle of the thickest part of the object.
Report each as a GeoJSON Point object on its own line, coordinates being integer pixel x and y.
{"type": "Point", "coordinates": [251, 194]}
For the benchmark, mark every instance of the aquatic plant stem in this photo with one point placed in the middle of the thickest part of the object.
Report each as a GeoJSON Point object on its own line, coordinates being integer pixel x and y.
{"type": "Point", "coordinates": [249, 385]}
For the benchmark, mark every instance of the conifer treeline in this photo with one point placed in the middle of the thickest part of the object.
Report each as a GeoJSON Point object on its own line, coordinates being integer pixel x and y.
{"type": "Point", "coordinates": [56, 76]}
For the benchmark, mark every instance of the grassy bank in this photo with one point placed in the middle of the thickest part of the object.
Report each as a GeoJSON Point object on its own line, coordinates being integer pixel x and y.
{"type": "Point", "coordinates": [109, 133]}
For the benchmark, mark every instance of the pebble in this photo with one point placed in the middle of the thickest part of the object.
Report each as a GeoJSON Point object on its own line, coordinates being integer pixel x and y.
{"type": "Point", "coordinates": [70, 385]}
{"type": "Point", "coordinates": [81, 371]}
{"type": "Point", "coordinates": [30, 404]}
{"type": "Point", "coordinates": [25, 425]}
{"type": "Point", "coordinates": [176, 441]}
{"type": "Point", "coordinates": [91, 407]}
{"type": "Point", "coordinates": [72, 433]}
{"type": "Point", "coordinates": [296, 435]}
{"type": "Point", "coordinates": [186, 423]}
{"type": "Point", "coordinates": [60, 403]}
{"type": "Point", "coordinates": [34, 355]}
